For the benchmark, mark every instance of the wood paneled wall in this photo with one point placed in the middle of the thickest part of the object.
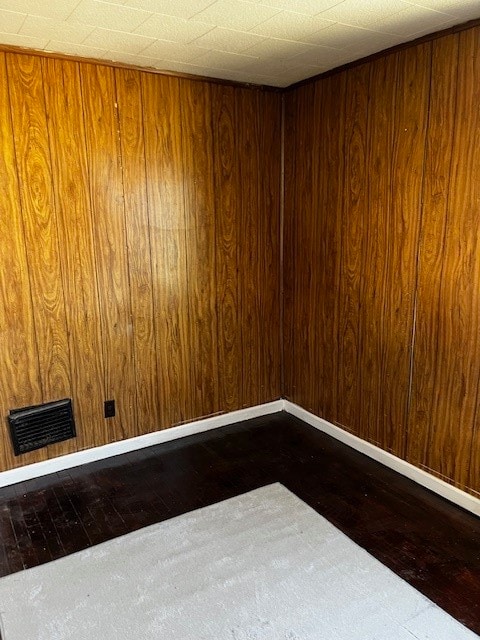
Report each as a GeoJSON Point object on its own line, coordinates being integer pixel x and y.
{"type": "Point", "coordinates": [382, 253]}
{"type": "Point", "coordinates": [139, 247]}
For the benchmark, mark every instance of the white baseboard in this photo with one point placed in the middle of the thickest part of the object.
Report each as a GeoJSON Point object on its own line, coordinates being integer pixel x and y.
{"type": "Point", "coordinates": [448, 491]}
{"type": "Point", "coordinates": [78, 458]}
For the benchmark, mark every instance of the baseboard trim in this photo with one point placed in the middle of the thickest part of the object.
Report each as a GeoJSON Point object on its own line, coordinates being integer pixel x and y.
{"type": "Point", "coordinates": [427, 480]}
{"type": "Point", "coordinates": [38, 469]}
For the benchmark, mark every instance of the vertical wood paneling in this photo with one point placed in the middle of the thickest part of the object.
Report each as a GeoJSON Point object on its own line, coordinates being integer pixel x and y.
{"type": "Point", "coordinates": [197, 144]}
{"type": "Point", "coordinates": [269, 109]}
{"type": "Point", "coordinates": [164, 170]}
{"type": "Point", "coordinates": [289, 241]}
{"type": "Point", "coordinates": [137, 223]}
{"type": "Point", "coordinates": [139, 248]}
{"type": "Point", "coordinates": [330, 111]}
{"type": "Point", "coordinates": [354, 218]}
{"type": "Point", "coordinates": [111, 257]}
{"type": "Point", "coordinates": [428, 401]}
{"type": "Point", "coordinates": [39, 223]}
{"type": "Point", "coordinates": [315, 245]}
{"type": "Point", "coordinates": [303, 279]}
{"type": "Point", "coordinates": [70, 181]}
{"type": "Point", "coordinates": [248, 135]}
{"type": "Point", "coordinates": [379, 236]}
{"type": "Point", "coordinates": [399, 283]}
{"type": "Point", "coordinates": [411, 119]}
{"type": "Point", "coordinates": [20, 380]}
{"type": "Point", "coordinates": [453, 395]}
{"type": "Point", "coordinates": [227, 232]}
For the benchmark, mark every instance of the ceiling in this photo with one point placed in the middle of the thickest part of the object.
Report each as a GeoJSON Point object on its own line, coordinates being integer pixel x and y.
{"type": "Point", "coordinates": [272, 42]}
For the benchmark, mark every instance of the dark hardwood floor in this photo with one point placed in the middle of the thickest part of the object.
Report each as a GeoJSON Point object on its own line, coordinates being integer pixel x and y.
{"type": "Point", "coordinates": [432, 544]}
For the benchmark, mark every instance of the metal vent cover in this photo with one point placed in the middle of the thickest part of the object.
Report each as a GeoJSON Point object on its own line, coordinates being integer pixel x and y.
{"type": "Point", "coordinates": [35, 427]}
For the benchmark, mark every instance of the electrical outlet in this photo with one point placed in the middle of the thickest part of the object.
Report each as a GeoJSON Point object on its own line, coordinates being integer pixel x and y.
{"type": "Point", "coordinates": [109, 408]}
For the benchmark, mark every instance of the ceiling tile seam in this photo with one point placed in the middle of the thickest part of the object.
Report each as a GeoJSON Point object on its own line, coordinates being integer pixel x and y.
{"type": "Point", "coordinates": [254, 4]}
{"type": "Point", "coordinates": [72, 11]}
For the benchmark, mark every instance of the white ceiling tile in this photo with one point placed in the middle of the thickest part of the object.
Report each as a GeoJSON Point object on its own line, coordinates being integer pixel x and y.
{"type": "Point", "coordinates": [411, 21]}
{"type": "Point", "coordinates": [55, 9]}
{"type": "Point", "coordinates": [376, 42]}
{"type": "Point", "coordinates": [224, 60]}
{"type": "Point", "coordinates": [180, 9]}
{"type": "Point", "coordinates": [17, 40]}
{"type": "Point", "coordinates": [165, 50]}
{"type": "Point", "coordinates": [235, 14]}
{"type": "Point", "coordinates": [108, 16]}
{"type": "Point", "coordinates": [276, 41]}
{"type": "Point", "coordinates": [228, 40]}
{"type": "Point", "coordinates": [426, 30]}
{"type": "Point", "coordinates": [452, 7]}
{"type": "Point", "coordinates": [360, 13]}
{"type": "Point", "coordinates": [270, 66]}
{"type": "Point", "coordinates": [290, 26]}
{"type": "Point", "coordinates": [134, 58]}
{"type": "Point", "coordinates": [320, 57]}
{"type": "Point", "coordinates": [357, 39]}
{"type": "Point", "coordinates": [196, 69]}
{"type": "Point", "coordinates": [118, 41]}
{"type": "Point", "coordinates": [271, 47]}
{"type": "Point", "coordinates": [307, 7]}
{"type": "Point", "coordinates": [340, 35]}
{"type": "Point", "coordinates": [286, 78]}
{"type": "Point", "coordinates": [173, 29]}
{"type": "Point", "coordinates": [55, 30]}
{"type": "Point", "coordinates": [184, 67]}
{"type": "Point", "coordinates": [76, 49]}
{"type": "Point", "coordinates": [11, 21]}
{"type": "Point", "coordinates": [241, 76]}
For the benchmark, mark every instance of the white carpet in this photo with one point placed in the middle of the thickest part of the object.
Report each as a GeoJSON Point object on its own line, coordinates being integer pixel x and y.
{"type": "Point", "coordinates": [261, 566]}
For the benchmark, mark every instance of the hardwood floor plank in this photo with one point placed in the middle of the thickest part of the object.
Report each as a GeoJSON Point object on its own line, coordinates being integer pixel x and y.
{"type": "Point", "coordinates": [429, 542]}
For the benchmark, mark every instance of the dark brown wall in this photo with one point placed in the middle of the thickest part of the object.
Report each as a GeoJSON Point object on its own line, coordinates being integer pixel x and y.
{"type": "Point", "coordinates": [382, 253]}
{"type": "Point", "coordinates": [139, 247]}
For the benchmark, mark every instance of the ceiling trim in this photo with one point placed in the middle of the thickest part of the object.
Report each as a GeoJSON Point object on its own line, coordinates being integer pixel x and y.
{"type": "Point", "coordinates": [355, 63]}
{"type": "Point", "coordinates": [385, 52]}
{"type": "Point", "coordinates": [5, 48]}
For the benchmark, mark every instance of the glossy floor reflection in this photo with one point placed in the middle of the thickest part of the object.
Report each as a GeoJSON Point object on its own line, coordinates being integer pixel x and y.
{"type": "Point", "coordinates": [423, 538]}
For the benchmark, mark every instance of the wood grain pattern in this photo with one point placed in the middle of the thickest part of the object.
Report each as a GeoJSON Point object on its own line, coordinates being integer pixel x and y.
{"type": "Point", "coordinates": [137, 226]}
{"type": "Point", "coordinates": [411, 119]}
{"type": "Point", "coordinates": [76, 247]}
{"type": "Point", "coordinates": [303, 351]}
{"type": "Point", "coordinates": [379, 236]}
{"type": "Point", "coordinates": [227, 259]}
{"type": "Point", "coordinates": [330, 113]}
{"type": "Point", "coordinates": [197, 146]}
{"type": "Point", "coordinates": [270, 140]}
{"type": "Point", "coordinates": [426, 395]}
{"type": "Point", "coordinates": [354, 217]}
{"type": "Point", "coordinates": [453, 396]}
{"type": "Point", "coordinates": [289, 242]}
{"type": "Point", "coordinates": [164, 170]}
{"type": "Point", "coordinates": [399, 284]}
{"type": "Point", "coordinates": [427, 541]}
{"type": "Point", "coordinates": [40, 223]}
{"type": "Point", "coordinates": [250, 291]}
{"type": "Point", "coordinates": [106, 186]}
{"type": "Point", "coordinates": [133, 230]}
{"type": "Point", "coordinates": [20, 381]}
